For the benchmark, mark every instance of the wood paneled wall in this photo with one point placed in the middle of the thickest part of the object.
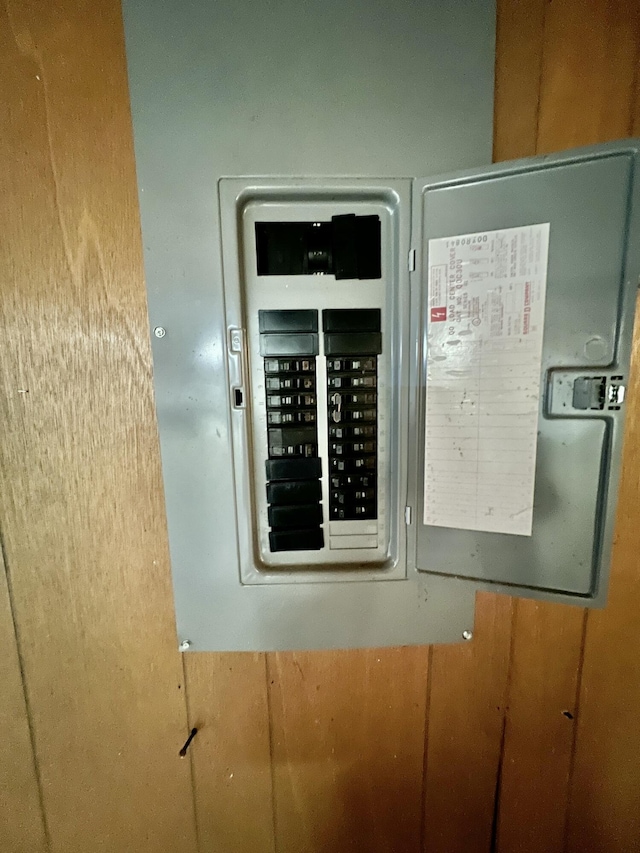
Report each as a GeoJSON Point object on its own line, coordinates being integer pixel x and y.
{"type": "Point", "coordinates": [526, 739]}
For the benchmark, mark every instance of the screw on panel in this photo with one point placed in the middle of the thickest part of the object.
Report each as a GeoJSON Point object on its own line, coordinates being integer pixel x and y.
{"type": "Point", "coordinates": [185, 645]}
{"type": "Point", "coordinates": [467, 635]}
{"type": "Point", "coordinates": [159, 332]}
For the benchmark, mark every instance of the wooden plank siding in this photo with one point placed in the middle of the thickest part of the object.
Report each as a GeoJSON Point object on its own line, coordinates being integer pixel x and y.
{"type": "Point", "coordinates": [525, 739]}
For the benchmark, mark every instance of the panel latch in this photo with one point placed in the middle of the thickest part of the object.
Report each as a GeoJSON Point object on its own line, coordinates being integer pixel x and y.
{"type": "Point", "coordinates": [580, 393]}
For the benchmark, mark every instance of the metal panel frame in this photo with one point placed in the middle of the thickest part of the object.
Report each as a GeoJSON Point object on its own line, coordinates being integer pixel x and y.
{"type": "Point", "coordinates": [315, 199]}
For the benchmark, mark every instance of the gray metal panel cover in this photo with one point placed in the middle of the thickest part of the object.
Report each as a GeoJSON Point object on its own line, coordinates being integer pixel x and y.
{"type": "Point", "coordinates": [590, 198]}
{"type": "Point", "coordinates": [280, 88]}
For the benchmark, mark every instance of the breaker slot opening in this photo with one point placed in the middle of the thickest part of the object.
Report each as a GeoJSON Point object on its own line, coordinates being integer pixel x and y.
{"type": "Point", "coordinates": [347, 247]}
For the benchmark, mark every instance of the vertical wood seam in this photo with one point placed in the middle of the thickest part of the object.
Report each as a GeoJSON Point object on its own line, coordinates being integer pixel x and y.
{"type": "Point", "coordinates": [576, 719]}
{"type": "Point", "coordinates": [541, 71]}
{"type": "Point", "coordinates": [25, 695]}
{"type": "Point", "coordinates": [635, 81]}
{"type": "Point", "coordinates": [425, 755]}
{"type": "Point", "coordinates": [495, 819]}
{"type": "Point", "coordinates": [495, 825]}
{"type": "Point", "coordinates": [274, 815]}
{"type": "Point", "coordinates": [192, 770]}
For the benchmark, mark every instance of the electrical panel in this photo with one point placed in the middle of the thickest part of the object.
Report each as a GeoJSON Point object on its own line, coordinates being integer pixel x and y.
{"type": "Point", "coordinates": [376, 392]}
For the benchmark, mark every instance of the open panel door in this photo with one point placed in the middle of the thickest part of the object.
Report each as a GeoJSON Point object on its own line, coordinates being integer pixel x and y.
{"type": "Point", "coordinates": [521, 368]}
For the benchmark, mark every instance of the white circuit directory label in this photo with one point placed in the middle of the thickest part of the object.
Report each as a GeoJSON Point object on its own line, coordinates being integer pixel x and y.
{"type": "Point", "coordinates": [485, 323]}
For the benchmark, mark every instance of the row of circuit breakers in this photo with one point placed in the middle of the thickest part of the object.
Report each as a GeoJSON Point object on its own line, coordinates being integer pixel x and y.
{"type": "Point", "coordinates": [289, 345]}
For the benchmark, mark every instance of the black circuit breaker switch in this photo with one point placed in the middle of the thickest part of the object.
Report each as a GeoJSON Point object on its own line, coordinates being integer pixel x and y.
{"type": "Point", "coordinates": [351, 320]}
{"type": "Point", "coordinates": [297, 540]}
{"type": "Point", "coordinates": [299, 517]}
{"type": "Point", "coordinates": [589, 392]}
{"type": "Point", "coordinates": [294, 492]}
{"type": "Point", "coordinates": [293, 469]}
{"type": "Point", "coordinates": [287, 333]}
{"type": "Point", "coordinates": [288, 321]}
{"type": "Point", "coordinates": [289, 344]}
{"type": "Point", "coordinates": [351, 331]}
{"type": "Point", "coordinates": [353, 343]}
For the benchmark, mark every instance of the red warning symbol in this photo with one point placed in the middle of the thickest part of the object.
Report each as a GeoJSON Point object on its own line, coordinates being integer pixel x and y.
{"type": "Point", "coordinates": [438, 315]}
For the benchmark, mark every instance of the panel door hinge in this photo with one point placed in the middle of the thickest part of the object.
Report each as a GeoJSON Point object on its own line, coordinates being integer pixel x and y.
{"type": "Point", "coordinates": [412, 260]}
{"type": "Point", "coordinates": [407, 515]}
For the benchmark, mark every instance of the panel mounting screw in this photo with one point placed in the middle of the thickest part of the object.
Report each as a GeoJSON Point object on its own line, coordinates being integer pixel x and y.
{"type": "Point", "coordinates": [467, 635]}
{"type": "Point", "coordinates": [185, 645]}
{"type": "Point", "coordinates": [159, 331]}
